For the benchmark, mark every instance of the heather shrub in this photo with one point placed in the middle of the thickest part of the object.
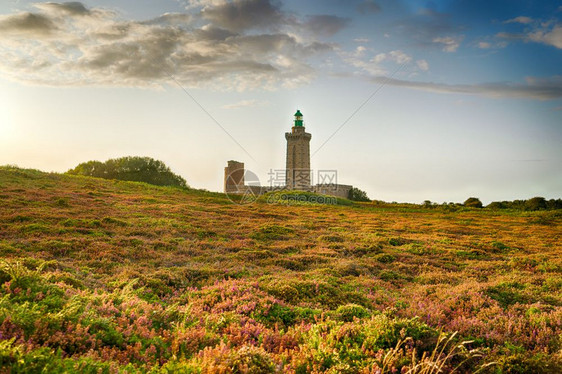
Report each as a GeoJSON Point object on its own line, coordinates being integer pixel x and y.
{"type": "Point", "coordinates": [348, 312]}
{"type": "Point", "coordinates": [515, 360]}
{"type": "Point", "coordinates": [272, 232]}
{"type": "Point", "coordinates": [546, 218]}
{"type": "Point", "coordinates": [389, 275]}
{"type": "Point", "coordinates": [331, 238]}
{"type": "Point", "coordinates": [506, 293]}
{"type": "Point", "coordinates": [395, 242]}
{"type": "Point", "coordinates": [151, 279]}
{"type": "Point", "coordinates": [18, 359]}
{"type": "Point", "coordinates": [385, 258]}
{"type": "Point", "coordinates": [244, 360]}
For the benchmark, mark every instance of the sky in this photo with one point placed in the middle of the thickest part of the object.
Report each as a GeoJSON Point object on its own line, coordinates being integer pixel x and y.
{"type": "Point", "coordinates": [406, 100]}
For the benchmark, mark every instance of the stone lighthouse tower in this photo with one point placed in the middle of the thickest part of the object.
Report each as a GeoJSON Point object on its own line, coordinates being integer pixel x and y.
{"type": "Point", "coordinates": [298, 156]}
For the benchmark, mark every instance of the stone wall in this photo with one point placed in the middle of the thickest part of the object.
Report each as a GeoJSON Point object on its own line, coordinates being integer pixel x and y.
{"type": "Point", "coordinates": [338, 190]}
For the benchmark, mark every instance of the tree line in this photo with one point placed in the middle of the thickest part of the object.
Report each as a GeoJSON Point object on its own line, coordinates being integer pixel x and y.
{"type": "Point", "coordinates": [535, 203]}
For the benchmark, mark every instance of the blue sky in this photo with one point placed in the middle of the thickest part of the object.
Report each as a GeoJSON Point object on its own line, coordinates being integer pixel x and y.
{"type": "Point", "coordinates": [437, 100]}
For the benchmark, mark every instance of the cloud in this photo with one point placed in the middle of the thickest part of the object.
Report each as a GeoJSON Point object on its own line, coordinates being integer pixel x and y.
{"type": "Point", "coordinates": [245, 104]}
{"type": "Point", "coordinates": [423, 65]}
{"type": "Point", "coordinates": [71, 45]}
{"type": "Point", "coordinates": [190, 4]}
{"type": "Point", "coordinates": [533, 88]}
{"type": "Point", "coordinates": [399, 57]}
{"type": "Point", "coordinates": [425, 26]}
{"type": "Point", "coordinates": [27, 23]}
{"type": "Point", "coordinates": [324, 24]}
{"type": "Point", "coordinates": [494, 44]}
{"type": "Point", "coordinates": [244, 15]}
{"type": "Point", "coordinates": [378, 64]}
{"type": "Point", "coordinates": [450, 44]}
{"type": "Point", "coordinates": [368, 6]}
{"type": "Point", "coordinates": [521, 19]}
{"type": "Point", "coordinates": [72, 8]}
{"type": "Point", "coordinates": [510, 36]}
{"type": "Point", "coordinates": [552, 36]}
{"type": "Point", "coordinates": [547, 32]}
{"type": "Point", "coordinates": [171, 19]}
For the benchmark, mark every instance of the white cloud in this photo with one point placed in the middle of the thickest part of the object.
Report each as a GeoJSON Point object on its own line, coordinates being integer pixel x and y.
{"type": "Point", "coordinates": [521, 19]}
{"type": "Point", "coordinates": [360, 51]}
{"type": "Point", "coordinates": [484, 45]}
{"type": "Point", "coordinates": [361, 40]}
{"type": "Point", "coordinates": [379, 58]}
{"type": "Point", "coordinates": [190, 4]}
{"type": "Point", "coordinates": [397, 56]}
{"type": "Point", "coordinates": [423, 65]}
{"type": "Point", "coordinates": [547, 32]}
{"type": "Point", "coordinates": [378, 64]}
{"type": "Point", "coordinates": [450, 44]}
{"type": "Point", "coordinates": [551, 36]}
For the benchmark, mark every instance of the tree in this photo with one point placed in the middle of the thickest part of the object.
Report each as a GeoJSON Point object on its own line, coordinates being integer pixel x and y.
{"type": "Point", "coordinates": [427, 204]}
{"type": "Point", "coordinates": [356, 194]}
{"type": "Point", "coordinates": [536, 203]}
{"type": "Point", "coordinates": [138, 169]}
{"type": "Point", "coordinates": [497, 205]}
{"type": "Point", "coordinates": [473, 202]}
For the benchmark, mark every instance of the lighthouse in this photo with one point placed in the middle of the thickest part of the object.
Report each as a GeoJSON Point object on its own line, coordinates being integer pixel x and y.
{"type": "Point", "coordinates": [298, 156]}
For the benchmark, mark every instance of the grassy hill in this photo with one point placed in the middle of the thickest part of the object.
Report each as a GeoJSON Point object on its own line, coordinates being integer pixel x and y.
{"type": "Point", "coordinates": [108, 276]}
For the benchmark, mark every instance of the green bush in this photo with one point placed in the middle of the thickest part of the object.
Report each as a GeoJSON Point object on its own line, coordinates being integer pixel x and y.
{"type": "Point", "coordinates": [473, 202]}
{"type": "Point", "coordinates": [355, 194]}
{"type": "Point", "coordinates": [507, 294]}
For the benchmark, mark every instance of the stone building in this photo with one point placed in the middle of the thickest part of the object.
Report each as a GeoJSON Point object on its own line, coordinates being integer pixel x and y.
{"type": "Point", "coordinates": [297, 172]}
{"type": "Point", "coordinates": [234, 177]}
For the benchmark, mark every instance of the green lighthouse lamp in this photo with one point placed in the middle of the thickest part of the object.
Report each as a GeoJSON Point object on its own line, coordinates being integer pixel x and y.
{"type": "Point", "coordinates": [298, 119]}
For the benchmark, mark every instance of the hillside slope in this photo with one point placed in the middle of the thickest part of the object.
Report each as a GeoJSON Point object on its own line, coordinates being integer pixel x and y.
{"type": "Point", "coordinates": [123, 276]}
